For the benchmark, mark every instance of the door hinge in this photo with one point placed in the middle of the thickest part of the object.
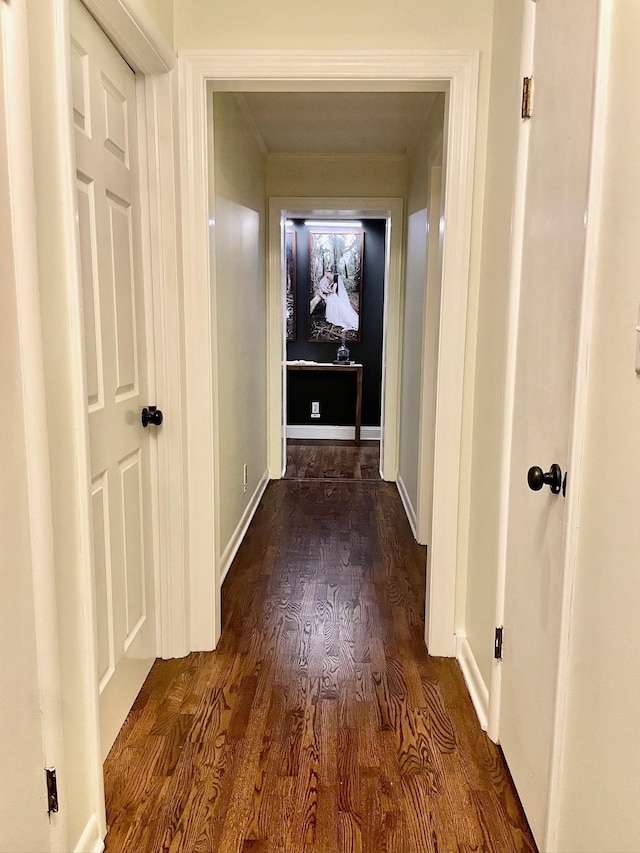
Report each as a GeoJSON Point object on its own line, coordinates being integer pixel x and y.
{"type": "Point", "coordinates": [497, 644]}
{"type": "Point", "coordinates": [527, 97]}
{"type": "Point", "coordinates": [52, 789]}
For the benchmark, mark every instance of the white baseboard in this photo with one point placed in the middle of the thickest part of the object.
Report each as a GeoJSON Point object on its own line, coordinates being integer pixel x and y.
{"type": "Point", "coordinates": [238, 535]}
{"type": "Point", "coordinates": [335, 433]}
{"type": "Point", "coordinates": [90, 840]}
{"type": "Point", "coordinates": [473, 679]}
{"type": "Point", "coordinates": [408, 506]}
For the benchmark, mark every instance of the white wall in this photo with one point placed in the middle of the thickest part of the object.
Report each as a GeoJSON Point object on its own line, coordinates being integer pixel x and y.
{"type": "Point", "coordinates": [342, 177]}
{"type": "Point", "coordinates": [417, 324]}
{"type": "Point", "coordinates": [239, 307]}
{"type": "Point", "coordinates": [430, 346]}
{"type": "Point", "coordinates": [23, 813]}
{"type": "Point", "coordinates": [162, 13]}
{"type": "Point", "coordinates": [335, 24]}
{"type": "Point", "coordinates": [23, 824]}
{"type": "Point", "coordinates": [601, 768]}
{"type": "Point", "coordinates": [487, 357]}
{"type": "Point", "coordinates": [414, 298]}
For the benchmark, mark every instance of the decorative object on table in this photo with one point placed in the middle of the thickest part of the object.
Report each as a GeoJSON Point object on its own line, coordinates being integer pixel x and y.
{"type": "Point", "coordinates": [335, 283]}
{"type": "Point", "coordinates": [290, 300]}
{"type": "Point", "coordinates": [342, 355]}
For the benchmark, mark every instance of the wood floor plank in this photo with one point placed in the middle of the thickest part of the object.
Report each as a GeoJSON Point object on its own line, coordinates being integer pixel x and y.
{"type": "Point", "coordinates": [342, 460]}
{"type": "Point", "coordinates": [320, 724]}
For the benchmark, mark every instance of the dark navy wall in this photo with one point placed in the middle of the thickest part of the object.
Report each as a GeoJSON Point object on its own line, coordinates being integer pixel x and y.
{"type": "Point", "coordinates": [336, 393]}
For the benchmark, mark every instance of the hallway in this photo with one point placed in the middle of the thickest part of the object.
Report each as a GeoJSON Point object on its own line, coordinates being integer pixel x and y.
{"type": "Point", "coordinates": [319, 725]}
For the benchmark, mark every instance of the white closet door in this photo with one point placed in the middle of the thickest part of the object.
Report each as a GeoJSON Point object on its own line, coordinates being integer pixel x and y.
{"type": "Point", "coordinates": [104, 119]}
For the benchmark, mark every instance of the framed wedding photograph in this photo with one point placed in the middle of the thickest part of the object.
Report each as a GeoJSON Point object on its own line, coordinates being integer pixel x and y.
{"type": "Point", "coordinates": [290, 300]}
{"type": "Point", "coordinates": [335, 283]}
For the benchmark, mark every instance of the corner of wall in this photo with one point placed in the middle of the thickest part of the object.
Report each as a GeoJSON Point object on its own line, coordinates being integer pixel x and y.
{"type": "Point", "coordinates": [486, 358]}
{"type": "Point", "coordinates": [235, 541]}
{"type": "Point", "coordinates": [476, 684]}
{"type": "Point", "coordinates": [408, 505]}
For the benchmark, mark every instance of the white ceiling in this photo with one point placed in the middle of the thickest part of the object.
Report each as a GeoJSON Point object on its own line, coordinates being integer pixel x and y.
{"type": "Point", "coordinates": [351, 123]}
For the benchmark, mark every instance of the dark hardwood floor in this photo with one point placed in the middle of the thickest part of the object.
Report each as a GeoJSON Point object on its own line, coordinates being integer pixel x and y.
{"type": "Point", "coordinates": [320, 724]}
{"type": "Point", "coordinates": [309, 459]}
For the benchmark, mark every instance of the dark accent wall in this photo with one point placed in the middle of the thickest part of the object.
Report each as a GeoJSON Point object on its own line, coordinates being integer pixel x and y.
{"type": "Point", "coordinates": [336, 393]}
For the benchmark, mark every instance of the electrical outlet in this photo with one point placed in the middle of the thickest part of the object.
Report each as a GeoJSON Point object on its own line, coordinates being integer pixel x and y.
{"type": "Point", "coordinates": [315, 409]}
{"type": "Point", "coordinates": [245, 477]}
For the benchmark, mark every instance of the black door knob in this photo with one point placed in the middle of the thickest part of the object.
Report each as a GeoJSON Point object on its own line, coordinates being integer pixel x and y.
{"type": "Point", "coordinates": [151, 415]}
{"type": "Point", "coordinates": [536, 478]}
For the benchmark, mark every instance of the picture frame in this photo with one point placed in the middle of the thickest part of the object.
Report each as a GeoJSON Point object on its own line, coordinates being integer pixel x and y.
{"type": "Point", "coordinates": [335, 283]}
{"type": "Point", "coordinates": [290, 283]}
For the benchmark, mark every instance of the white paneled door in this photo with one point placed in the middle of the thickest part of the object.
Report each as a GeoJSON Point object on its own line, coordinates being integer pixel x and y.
{"type": "Point", "coordinates": [104, 121]}
{"type": "Point", "coordinates": [557, 188]}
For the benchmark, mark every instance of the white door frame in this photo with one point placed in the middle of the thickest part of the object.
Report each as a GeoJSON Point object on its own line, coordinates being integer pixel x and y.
{"type": "Point", "coordinates": [455, 72]}
{"type": "Point", "coordinates": [390, 209]}
{"type": "Point", "coordinates": [132, 30]}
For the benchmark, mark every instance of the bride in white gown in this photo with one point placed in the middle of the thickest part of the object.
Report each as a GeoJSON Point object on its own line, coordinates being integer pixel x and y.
{"type": "Point", "coordinates": [339, 310]}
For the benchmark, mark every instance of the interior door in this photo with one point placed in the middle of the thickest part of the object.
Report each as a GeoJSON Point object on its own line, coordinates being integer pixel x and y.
{"type": "Point", "coordinates": [104, 120]}
{"type": "Point", "coordinates": [551, 282]}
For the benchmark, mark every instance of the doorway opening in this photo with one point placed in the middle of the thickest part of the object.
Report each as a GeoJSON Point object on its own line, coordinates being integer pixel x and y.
{"type": "Point", "coordinates": [356, 401]}
{"type": "Point", "coordinates": [334, 278]}
{"type": "Point", "coordinates": [455, 75]}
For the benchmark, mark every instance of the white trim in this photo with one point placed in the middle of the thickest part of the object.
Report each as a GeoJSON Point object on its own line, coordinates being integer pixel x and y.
{"type": "Point", "coordinates": [579, 419]}
{"type": "Point", "coordinates": [444, 556]}
{"type": "Point", "coordinates": [329, 70]}
{"type": "Point", "coordinates": [390, 455]}
{"type": "Point", "coordinates": [453, 71]}
{"type": "Point", "coordinates": [511, 348]}
{"type": "Point", "coordinates": [239, 533]}
{"type": "Point", "coordinates": [90, 840]}
{"type": "Point", "coordinates": [327, 432]}
{"type": "Point", "coordinates": [130, 26]}
{"type": "Point", "coordinates": [163, 297]}
{"type": "Point", "coordinates": [473, 679]}
{"type": "Point", "coordinates": [277, 375]}
{"type": "Point", "coordinates": [200, 348]}
{"type": "Point", "coordinates": [408, 506]}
